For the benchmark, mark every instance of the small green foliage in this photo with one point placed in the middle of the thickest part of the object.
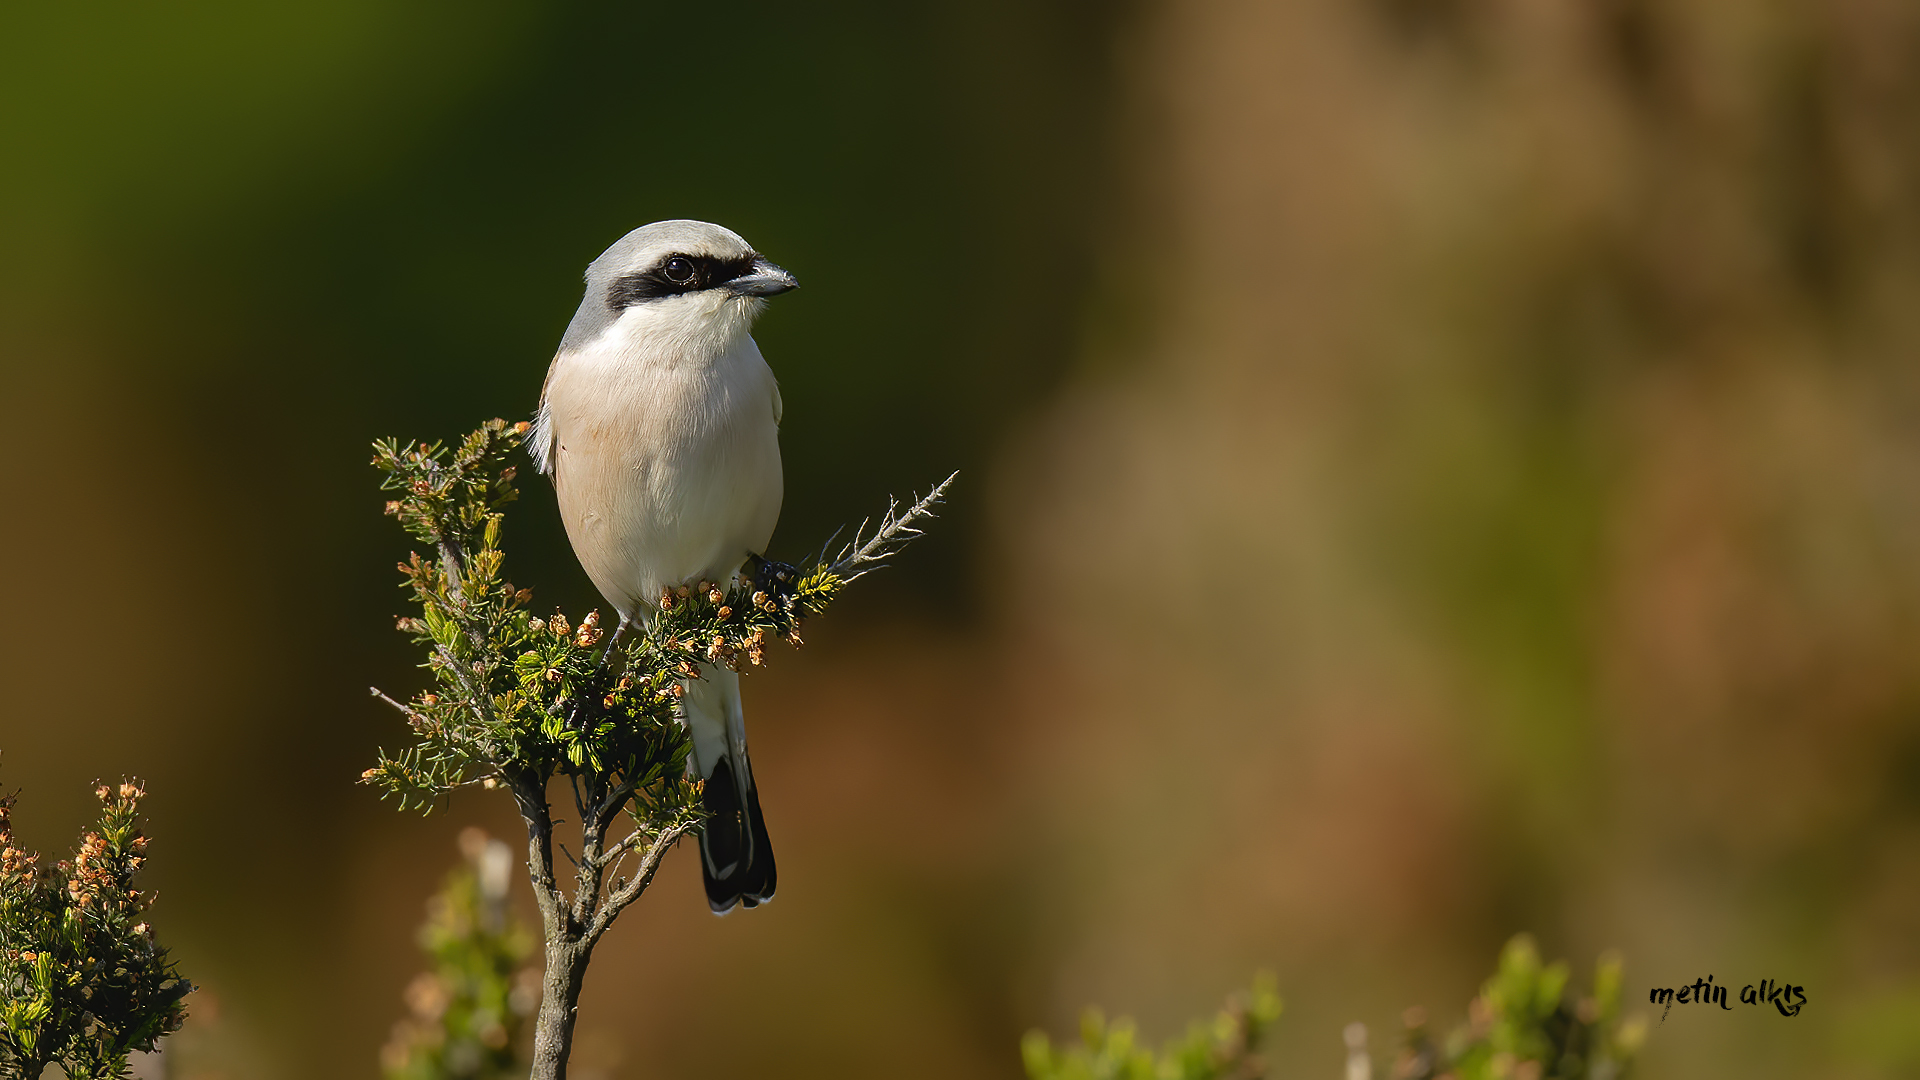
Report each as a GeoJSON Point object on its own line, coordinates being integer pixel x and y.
{"type": "Point", "coordinates": [519, 694]}
{"type": "Point", "coordinates": [1220, 1050]}
{"type": "Point", "coordinates": [82, 983]}
{"type": "Point", "coordinates": [1520, 1026]}
{"type": "Point", "coordinates": [468, 1011]}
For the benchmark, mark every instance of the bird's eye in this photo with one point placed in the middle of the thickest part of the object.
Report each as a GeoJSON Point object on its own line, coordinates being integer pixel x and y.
{"type": "Point", "coordinates": [678, 270]}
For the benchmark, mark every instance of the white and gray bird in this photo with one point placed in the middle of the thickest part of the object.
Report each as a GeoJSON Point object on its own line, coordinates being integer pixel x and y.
{"type": "Point", "coordinates": [659, 424]}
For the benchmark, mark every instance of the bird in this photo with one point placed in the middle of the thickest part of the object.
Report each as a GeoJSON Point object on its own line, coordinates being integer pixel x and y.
{"type": "Point", "coordinates": [659, 424]}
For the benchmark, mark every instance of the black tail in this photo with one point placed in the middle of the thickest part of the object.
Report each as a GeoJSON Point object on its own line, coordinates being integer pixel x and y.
{"type": "Point", "coordinates": [736, 859]}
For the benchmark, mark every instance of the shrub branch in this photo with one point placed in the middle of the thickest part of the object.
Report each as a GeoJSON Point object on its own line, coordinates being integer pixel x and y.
{"type": "Point", "coordinates": [519, 699]}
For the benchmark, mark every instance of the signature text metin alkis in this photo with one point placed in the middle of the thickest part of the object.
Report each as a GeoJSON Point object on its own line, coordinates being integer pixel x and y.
{"type": "Point", "coordinates": [1783, 996]}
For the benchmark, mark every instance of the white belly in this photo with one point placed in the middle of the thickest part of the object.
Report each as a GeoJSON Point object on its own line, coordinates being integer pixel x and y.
{"type": "Point", "coordinates": [666, 473]}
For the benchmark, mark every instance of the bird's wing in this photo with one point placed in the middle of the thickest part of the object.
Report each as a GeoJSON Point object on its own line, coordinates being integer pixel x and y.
{"type": "Point", "coordinates": [540, 441]}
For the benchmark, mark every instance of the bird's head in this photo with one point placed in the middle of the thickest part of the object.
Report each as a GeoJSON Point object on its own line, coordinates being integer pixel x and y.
{"type": "Point", "coordinates": [687, 279]}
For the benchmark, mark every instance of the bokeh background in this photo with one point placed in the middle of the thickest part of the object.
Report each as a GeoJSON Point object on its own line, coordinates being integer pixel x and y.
{"type": "Point", "coordinates": [1431, 469]}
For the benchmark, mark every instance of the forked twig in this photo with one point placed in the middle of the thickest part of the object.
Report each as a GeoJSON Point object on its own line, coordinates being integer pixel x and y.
{"type": "Point", "coordinates": [866, 554]}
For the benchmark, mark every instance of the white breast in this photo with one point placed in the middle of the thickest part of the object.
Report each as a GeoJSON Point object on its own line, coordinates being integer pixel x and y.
{"type": "Point", "coordinates": [664, 446]}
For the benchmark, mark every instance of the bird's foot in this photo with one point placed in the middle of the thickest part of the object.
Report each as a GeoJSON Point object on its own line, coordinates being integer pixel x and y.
{"type": "Point", "coordinates": [593, 700]}
{"type": "Point", "coordinates": [613, 642]}
{"type": "Point", "coordinates": [778, 582]}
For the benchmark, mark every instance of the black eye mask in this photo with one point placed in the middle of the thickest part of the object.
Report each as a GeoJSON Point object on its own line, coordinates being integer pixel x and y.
{"type": "Point", "coordinates": [654, 283]}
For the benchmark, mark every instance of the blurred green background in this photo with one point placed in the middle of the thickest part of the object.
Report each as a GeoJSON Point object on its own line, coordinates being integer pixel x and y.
{"type": "Point", "coordinates": [1432, 469]}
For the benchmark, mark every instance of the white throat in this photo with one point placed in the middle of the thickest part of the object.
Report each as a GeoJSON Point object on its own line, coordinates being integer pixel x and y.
{"type": "Point", "coordinates": [696, 329]}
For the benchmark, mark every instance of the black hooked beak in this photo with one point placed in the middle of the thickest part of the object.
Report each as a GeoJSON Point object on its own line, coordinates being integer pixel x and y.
{"type": "Point", "coordinates": [765, 279]}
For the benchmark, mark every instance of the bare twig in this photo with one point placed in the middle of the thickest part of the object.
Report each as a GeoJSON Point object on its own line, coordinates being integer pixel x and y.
{"type": "Point", "coordinates": [643, 876]}
{"type": "Point", "coordinates": [863, 556]}
{"type": "Point", "coordinates": [408, 710]}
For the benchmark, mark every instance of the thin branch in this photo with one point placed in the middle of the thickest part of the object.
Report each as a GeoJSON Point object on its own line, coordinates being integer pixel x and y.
{"type": "Point", "coordinates": [627, 844]}
{"type": "Point", "coordinates": [613, 864]}
{"type": "Point", "coordinates": [643, 876]}
{"type": "Point", "coordinates": [481, 702]}
{"type": "Point", "coordinates": [894, 532]}
{"type": "Point", "coordinates": [579, 801]}
{"type": "Point", "coordinates": [406, 709]}
{"type": "Point", "coordinates": [617, 796]}
{"type": "Point", "coordinates": [453, 563]}
{"type": "Point", "coordinates": [614, 640]}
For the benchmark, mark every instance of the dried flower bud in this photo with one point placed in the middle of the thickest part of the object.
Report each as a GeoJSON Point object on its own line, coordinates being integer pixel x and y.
{"type": "Point", "coordinates": [536, 625]}
{"type": "Point", "coordinates": [141, 928]}
{"type": "Point", "coordinates": [678, 690]}
{"type": "Point", "coordinates": [489, 783]}
{"type": "Point", "coordinates": [553, 675]}
{"type": "Point", "coordinates": [131, 791]}
{"type": "Point", "coordinates": [523, 596]}
{"type": "Point", "coordinates": [714, 594]}
{"type": "Point", "coordinates": [393, 507]}
{"type": "Point", "coordinates": [521, 428]}
{"type": "Point", "coordinates": [102, 793]}
{"type": "Point", "coordinates": [507, 474]}
{"type": "Point", "coordinates": [683, 592]}
{"type": "Point", "coordinates": [666, 600]}
{"type": "Point", "coordinates": [369, 774]}
{"type": "Point", "coordinates": [558, 624]}
{"type": "Point", "coordinates": [726, 612]}
{"type": "Point", "coordinates": [429, 699]}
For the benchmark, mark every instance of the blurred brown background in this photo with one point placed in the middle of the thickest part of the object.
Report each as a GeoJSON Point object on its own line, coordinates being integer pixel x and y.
{"type": "Point", "coordinates": [1432, 469]}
